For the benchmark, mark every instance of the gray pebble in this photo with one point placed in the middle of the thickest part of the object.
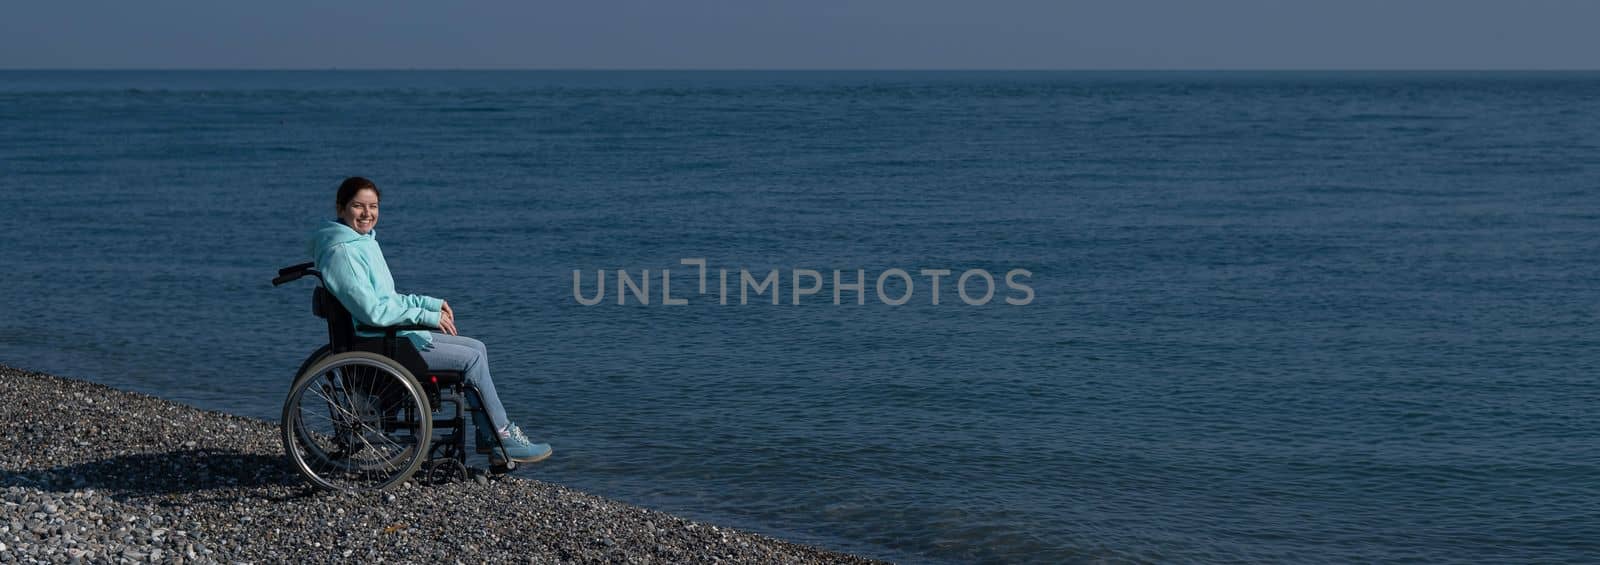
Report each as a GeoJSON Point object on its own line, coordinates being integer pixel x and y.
{"type": "Point", "coordinates": [148, 491]}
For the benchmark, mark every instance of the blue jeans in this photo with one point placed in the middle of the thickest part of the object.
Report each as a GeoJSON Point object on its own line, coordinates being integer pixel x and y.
{"type": "Point", "coordinates": [461, 353]}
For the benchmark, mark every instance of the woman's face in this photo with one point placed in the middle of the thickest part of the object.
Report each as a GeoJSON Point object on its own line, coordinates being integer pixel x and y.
{"type": "Point", "coordinates": [361, 212]}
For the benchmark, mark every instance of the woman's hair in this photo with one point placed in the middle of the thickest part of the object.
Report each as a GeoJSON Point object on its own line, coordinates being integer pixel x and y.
{"type": "Point", "coordinates": [352, 185]}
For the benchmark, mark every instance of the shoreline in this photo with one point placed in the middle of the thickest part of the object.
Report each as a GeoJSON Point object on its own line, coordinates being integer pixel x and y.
{"type": "Point", "coordinates": [97, 474]}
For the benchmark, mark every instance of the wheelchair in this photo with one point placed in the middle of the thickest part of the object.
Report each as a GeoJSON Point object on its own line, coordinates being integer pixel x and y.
{"type": "Point", "coordinates": [358, 418]}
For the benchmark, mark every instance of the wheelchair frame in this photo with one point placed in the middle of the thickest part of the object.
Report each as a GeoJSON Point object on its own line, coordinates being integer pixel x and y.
{"type": "Point", "coordinates": [444, 457]}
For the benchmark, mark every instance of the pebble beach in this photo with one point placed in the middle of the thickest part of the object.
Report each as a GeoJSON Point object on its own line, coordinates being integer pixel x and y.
{"type": "Point", "coordinates": [92, 474]}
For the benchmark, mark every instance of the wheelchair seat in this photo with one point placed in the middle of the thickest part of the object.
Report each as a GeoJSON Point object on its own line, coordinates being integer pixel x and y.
{"type": "Point", "coordinates": [446, 378]}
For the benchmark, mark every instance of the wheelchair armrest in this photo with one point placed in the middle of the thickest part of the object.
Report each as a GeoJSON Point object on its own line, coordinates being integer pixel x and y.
{"type": "Point", "coordinates": [391, 342]}
{"type": "Point", "coordinates": [391, 330]}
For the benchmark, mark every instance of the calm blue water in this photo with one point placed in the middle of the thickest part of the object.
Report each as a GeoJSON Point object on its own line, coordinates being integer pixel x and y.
{"type": "Point", "coordinates": [1278, 317]}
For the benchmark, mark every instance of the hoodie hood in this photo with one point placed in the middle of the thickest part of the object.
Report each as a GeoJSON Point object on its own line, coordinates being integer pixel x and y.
{"type": "Point", "coordinates": [333, 234]}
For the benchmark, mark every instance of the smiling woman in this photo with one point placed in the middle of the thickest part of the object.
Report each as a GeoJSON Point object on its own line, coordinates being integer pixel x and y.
{"type": "Point", "coordinates": [354, 271]}
{"type": "Point", "coordinates": [358, 204]}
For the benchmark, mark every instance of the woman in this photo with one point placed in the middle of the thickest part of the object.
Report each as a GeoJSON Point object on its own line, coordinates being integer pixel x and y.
{"type": "Point", "coordinates": [353, 270]}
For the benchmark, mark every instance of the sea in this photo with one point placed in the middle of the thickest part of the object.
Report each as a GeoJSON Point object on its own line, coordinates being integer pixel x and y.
{"type": "Point", "coordinates": [1181, 316]}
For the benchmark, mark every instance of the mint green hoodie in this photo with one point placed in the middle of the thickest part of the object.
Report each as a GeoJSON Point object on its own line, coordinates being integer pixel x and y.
{"type": "Point", "coordinates": [354, 271]}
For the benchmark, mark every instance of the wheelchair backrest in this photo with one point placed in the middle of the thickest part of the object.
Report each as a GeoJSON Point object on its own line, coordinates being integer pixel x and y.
{"type": "Point", "coordinates": [341, 329]}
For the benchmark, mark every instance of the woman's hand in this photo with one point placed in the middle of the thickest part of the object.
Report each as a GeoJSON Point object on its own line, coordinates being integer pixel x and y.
{"type": "Point", "coordinates": [444, 308]}
{"type": "Point", "coordinates": [447, 322]}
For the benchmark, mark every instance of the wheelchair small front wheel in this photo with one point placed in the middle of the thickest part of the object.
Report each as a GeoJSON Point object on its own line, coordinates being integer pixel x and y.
{"type": "Point", "coordinates": [356, 421]}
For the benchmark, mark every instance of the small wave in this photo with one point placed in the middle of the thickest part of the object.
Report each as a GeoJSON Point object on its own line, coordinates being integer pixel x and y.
{"type": "Point", "coordinates": [471, 110]}
{"type": "Point", "coordinates": [1399, 117]}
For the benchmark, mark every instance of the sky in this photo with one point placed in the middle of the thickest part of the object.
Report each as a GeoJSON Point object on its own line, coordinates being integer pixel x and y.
{"type": "Point", "coordinates": [816, 34]}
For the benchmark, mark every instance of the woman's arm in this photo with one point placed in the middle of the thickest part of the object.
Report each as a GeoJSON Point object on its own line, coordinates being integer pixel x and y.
{"type": "Point", "coordinates": [424, 302]}
{"type": "Point", "coordinates": [350, 282]}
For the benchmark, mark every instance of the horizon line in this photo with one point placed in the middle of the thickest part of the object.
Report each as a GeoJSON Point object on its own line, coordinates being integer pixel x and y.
{"type": "Point", "coordinates": [795, 69]}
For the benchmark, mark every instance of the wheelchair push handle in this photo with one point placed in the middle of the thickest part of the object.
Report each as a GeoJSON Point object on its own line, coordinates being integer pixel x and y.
{"type": "Point", "coordinates": [294, 272]}
{"type": "Point", "coordinates": [293, 268]}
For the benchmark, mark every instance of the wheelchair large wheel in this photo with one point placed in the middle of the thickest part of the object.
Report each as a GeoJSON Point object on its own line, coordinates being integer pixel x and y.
{"type": "Point", "coordinates": [356, 421]}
